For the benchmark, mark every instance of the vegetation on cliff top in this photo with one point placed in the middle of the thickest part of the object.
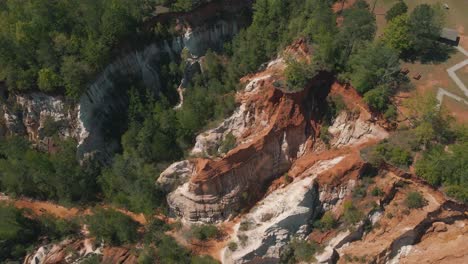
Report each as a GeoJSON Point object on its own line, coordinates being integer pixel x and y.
{"type": "Point", "coordinates": [53, 44]}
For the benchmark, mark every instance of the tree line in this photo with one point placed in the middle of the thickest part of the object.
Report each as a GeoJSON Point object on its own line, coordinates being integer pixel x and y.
{"type": "Point", "coordinates": [58, 46]}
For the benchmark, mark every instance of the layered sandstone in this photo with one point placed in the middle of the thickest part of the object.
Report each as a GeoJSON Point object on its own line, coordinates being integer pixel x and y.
{"type": "Point", "coordinates": [79, 251]}
{"type": "Point", "coordinates": [273, 129]}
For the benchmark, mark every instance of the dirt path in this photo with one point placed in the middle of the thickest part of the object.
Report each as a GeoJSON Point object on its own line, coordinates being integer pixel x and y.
{"type": "Point", "coordinates": [45, 207]}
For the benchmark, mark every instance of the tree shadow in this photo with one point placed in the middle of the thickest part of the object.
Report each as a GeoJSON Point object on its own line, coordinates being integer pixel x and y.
{"type": "Point", "coordinates": [438, 53]}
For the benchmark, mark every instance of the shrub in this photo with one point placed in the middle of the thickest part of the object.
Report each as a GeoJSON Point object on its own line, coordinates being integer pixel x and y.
{"type": "Point", "coordinates": [298, 74]}
{"type": "Point", "coordinates": [299, 251]}
{"type": "Point", "coordinates": [112, 226]}
{"type": "Point", "coordinates": [336, 105]}
{"type": "Point", "coordinates": [245, 225]}
{"type": "Point", "coordinates": [400, 157]}
{"type": "Point", "coordinates": [377, 192]}
{"type": "Point", "coordinates": [16, 232]}
{"type": "Point", "coordinates": [377, 98]}
{"type": "Point", "coordinates": [415, 200]}
{"type": "Point", "coordinates": [203, 260]}
{"type": "Point", "coordinates": [391, 113]}
{"type": "Point", "coordinates": [50, 127]}
{"type": "Point", "coordinates": [48, 80]}
{"type": "Point", "coordinates": [327, 222]}
{"type": "Point", "coordinates": [396, 10]}
{"type": "Point", "coordinates": [389, 215]}
{"type": "Point", "coordinates": [325, 135]}
{"type": "Point", "coordinates": [360, 191]}
{"type": "Point", "coordinates": [287, 178]}
{"type": "Point", "coordinates": [232, 246]}
{"type": "Point", "coordinates": [205, 232]}
{"type": "Point", "coordinates": [156, 229]}
{"type": "Point", "coordinates": [171, 252]}
{"type": "Point", "coordinates": [351, 214]}
{"type": "Point", "coordinates": [92, 259]}
{"type": "Point", "coordinates": [228, 143]}
{"type": "Point", "coordinates": [56, 228]}
{"type": "Point", "coordinates": [458, 192]}
{"type": "Point", "coordinates": [243, 239]}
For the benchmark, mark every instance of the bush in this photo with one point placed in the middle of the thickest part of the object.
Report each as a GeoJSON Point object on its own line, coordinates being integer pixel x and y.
{"type": "Point", "coordinates": [56, 228]}
{"type": "Point", "coordinates": [205, 232]}
{"type": "Point", "coordinates": [288, 179]}
{"type": "Point", "coordinates": [336, 105]}
{"type": "Point", "coordinates": [298, 251]}
{"type": "Point", "coordinates": [391, 113]}
{"type": "Point", "coordinates": [400, 157]}
{"type": "Point", "coordinates": [232, 246]}
{"type": "Point", "coordinates": [27, 171]}
{"type": "Point", "coordinates": [243, 239]}
{"type": "Point", "coordinates": [396, 10]}
{"type": "Point", "coordinates": [377, 98]}
{"type": "Point", "coordinates": [351, 214]}
{"type": "Point", "coordinates": [360, 191]}
{"type": "Point", "coordinates": [171, 252]}
{"type": "Point", "coordinates": [377, 192]}
{"type": "Point", "coordinates": [415, 200]}
{"type": "Point", "coordinates": [16, 232]}
{"type": "Point", "coordinates": [391, 153]}
{"type": "Point", "coordinates": [50, 127]}
{"type": "Point", "coordinates": [327, 222]}
{"type": "Point", "coordinates": [203, 260]}
{"type": "Point", "coordinates": [325, 135]}
{"type": "Point", "coordinates": [298, 74]}
{"type": "Point", "coordinates": [245, 225]}
{"type": "Point", "coordinates": [112, 227]}
{"type": "Point", "coordinates": [228, 143]}
{"type": "Point", "coordinates": [458, 192]}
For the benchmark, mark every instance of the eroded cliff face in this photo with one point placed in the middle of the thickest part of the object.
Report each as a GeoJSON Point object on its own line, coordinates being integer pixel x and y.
{"type": "Point", "coordinates": [277, 134]}
{"type": "Point", "coordinates": [99, 115]}
{"type": "Point", "coordinates": [102, 106]}
{"type": "Point", "coordinates": [275, 131]}
{"type": "Point", "coordinates": [33, 114]}
{"type": "Point", "coordinates": [80, 251]}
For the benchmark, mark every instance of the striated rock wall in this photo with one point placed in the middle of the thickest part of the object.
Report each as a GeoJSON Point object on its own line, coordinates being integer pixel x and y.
{"type": "Point", "coordinates": [100, 112]}
{"type": "Point", "coordinates": [79, 251]}
{"type": "Point", "coordinates": [282, 214]}
{"type": "Point", "coordinates": [104, 102]}
{"type": "Point", "coordinates": [272, 127]}
{"type": "Point", "coordinates": [28, 113]}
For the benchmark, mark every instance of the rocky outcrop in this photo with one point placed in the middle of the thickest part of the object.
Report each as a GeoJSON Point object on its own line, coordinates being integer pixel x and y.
{"type": "Point", "coordinates": [29, 114]}
{"type": "Point", "coordinates": [273, 129]}
{"type": "Point", "coordinates": [79, 251]}
{"type": "Point", "coordinates": [102, 106]}
{"type": "Point", "coordinates": [175, 175]}
{"type": "Point", "coordinates": [282, 214]}
{"type": "Point", "coordinates": [350, 129]}
{"type": "Point", "coordinates": [66, 251]}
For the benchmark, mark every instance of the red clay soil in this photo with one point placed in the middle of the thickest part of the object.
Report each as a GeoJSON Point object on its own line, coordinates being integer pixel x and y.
{"type": "Point", "coordinates": [43, 207]}
{"type": "Point", "coordinates": [285, 111]}
{"type": "Point", "coordinates": [211, 247]}
{"type": "Point", "coordinates": [342, 5]}
{"type": "Point", "coordinates": [119, 255]}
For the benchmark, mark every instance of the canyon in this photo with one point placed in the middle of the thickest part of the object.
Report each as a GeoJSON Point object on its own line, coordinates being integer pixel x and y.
{"type": "Point", "coordinates": [281, 177]}
{"type": "Point", "coordinates": [95, 120]}
{"type": "Point", "coordinates": [289, 165]}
